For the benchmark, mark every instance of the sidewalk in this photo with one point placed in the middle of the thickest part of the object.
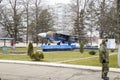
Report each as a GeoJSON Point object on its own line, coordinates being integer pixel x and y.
{"type": "Point", "coordinates": [59, 65]}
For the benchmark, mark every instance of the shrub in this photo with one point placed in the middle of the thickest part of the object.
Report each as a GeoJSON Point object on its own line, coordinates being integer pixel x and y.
{"type": "Point", "coordinates": [37, 56]}
{"type": "Point", "coordinates": [112, 50]}
{"type": "Point", "coordinates": [81, 47]}
{"type": "Point", "coordinates": [92, 52]}
{"type": "Point", "coordinates": [30, 49]}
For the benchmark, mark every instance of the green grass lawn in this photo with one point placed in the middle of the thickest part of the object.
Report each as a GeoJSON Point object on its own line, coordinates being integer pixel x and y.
{"type": "Point", "coordinates": [61, 56]}
{"type": "Point", "coordinates": [64, 55]}
{"type": "Point", "coordinates": [95, 62]}
{"type": "Point", "coordinates": [14, 57]}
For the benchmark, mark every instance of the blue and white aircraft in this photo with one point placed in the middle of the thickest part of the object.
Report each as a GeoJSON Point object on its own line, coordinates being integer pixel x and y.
{"type": "Point", "coordinates": [59, 37]}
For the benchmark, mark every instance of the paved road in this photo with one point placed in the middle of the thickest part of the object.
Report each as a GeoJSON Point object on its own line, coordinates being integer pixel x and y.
{"type": "Point", "coordinates": [10, 71]}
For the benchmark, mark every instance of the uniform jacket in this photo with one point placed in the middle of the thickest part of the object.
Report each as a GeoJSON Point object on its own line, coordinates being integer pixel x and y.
{"type": "Point", "coordinates": [103, 54]}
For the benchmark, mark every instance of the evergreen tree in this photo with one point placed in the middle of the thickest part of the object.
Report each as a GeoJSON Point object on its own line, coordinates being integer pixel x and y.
{"type": "Point", "coordinates": [30, 49]}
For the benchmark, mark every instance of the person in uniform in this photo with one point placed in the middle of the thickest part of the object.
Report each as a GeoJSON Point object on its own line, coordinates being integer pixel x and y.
{"type": "Point", "coordinates": [104, 59]}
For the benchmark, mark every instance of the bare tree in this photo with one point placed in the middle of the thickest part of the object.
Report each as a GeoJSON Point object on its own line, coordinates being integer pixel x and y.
{"type": "Point", "coordinates": [26, 4]}
{"type": "Point", "coordinates": [102, 18]}
{"type": "Point", "coordinates": [91, 19]}
{"type": "Point", "coordinates": [16, 17]}
{"type": "Point", "coordinates": [37, 3]}
{"type": "Point", "coordinates": [42, 20]}
{"type": "Point", "coordinates": [79, 8]}
{"type": "Point", "coordinates": [105, 16]}
{"type": "Point", "coordinates": [11, 18]}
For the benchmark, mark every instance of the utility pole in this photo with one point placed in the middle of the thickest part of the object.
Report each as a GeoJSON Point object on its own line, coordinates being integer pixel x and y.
{"type": "Point", "coordinates": [118, 25]}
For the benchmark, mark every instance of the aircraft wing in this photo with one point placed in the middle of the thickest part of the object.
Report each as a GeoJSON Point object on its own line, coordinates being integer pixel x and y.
{"type": "Point", "coordinates": [62, 37]}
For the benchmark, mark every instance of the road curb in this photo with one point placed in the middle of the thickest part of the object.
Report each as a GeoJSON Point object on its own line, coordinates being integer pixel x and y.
{"type": "Point", "coordinates": [59, 65]}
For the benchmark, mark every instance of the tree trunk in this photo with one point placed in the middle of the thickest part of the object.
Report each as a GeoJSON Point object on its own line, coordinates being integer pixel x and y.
{"type": "Point", "coordinates": [102, 15]}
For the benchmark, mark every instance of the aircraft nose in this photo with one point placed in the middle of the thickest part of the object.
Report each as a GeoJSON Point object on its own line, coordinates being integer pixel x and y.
{"type": "Point", "coordinates": [42, 34]}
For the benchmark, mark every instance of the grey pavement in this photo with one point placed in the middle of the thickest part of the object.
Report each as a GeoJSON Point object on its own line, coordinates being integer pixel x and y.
{"type": "Point", "coordinates": [27, 70]}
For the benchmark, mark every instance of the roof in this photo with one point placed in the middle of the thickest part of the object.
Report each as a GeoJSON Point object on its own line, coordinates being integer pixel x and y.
{"type": "Point", "coordinates": [6, 38]}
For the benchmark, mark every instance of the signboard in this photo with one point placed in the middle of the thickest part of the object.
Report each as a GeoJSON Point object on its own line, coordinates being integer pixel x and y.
{"type": "Point", "coordinates": [110, 44]}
